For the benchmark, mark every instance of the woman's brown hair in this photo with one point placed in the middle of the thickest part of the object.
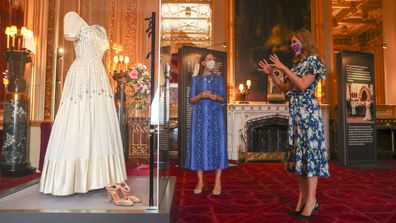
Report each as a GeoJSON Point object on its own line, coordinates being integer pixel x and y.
{"type": "Point", "coordinates": [309, 47]}
{"type": "Point", "coordinates": [201, 66]}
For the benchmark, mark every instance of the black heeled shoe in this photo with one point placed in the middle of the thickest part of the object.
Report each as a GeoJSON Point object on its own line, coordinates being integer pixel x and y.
{"type": "Point", "coordinates": [294, 212]}
{"type": "Point", "coordinates": [309, 217]}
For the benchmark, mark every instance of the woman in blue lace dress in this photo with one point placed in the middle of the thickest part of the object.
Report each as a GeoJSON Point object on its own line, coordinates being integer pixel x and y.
{"type": "Point", "coordinates": [208, 143]}
{"type": "Point", "coordinates": [306, 157]}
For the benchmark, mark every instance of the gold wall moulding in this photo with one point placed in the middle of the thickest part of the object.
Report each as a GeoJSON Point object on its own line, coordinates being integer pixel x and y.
{"type": "Point", "coordinates": [386, 111]}
{"type": "Point", "coordinates": [49, 69]}
{"type": "Point", "coordinates": [138, 151]}
{"type": "Point", "coordinates": [186, 24]}
{"type": "Point", "coordinates": [17, 3]}
{"type": "Point", "coordinates": [16, 96]}
{"type": "Point", "coordinates": [195, 11]}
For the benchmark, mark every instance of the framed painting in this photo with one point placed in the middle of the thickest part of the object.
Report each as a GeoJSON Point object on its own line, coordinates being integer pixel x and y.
{"type": "Point", "coordinates": [263, 28]}
{"type": "Point", "coordinates": [273, 92]}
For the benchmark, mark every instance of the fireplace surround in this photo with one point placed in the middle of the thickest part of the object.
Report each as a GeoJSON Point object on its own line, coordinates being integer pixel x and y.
{"type": "Point", "coordinates": [247, 121]}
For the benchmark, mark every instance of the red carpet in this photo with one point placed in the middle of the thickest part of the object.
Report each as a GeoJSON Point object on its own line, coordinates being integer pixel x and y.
{"type": "Point", "coordinates": [10, 182]}
{"type": "Point", "coordinates": [263, 192]}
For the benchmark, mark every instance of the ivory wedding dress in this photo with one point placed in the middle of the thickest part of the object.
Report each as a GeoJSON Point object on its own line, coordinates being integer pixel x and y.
{"type": "Point", "coordinates": [85, 149]}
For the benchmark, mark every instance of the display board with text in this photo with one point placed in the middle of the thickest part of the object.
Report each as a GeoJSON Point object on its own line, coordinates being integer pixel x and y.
{"type": "Point", "coordinates": [356, 108]}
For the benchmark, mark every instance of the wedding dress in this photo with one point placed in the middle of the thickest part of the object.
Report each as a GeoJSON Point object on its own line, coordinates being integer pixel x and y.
{"type": "Point", "coordinates": [85, 149]}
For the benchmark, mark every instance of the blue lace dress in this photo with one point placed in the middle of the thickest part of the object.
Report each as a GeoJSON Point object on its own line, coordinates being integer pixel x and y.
{"type": "Point", "coordinates": [208, 143]}
{"type": "Point", "coordinates": [307, 154]}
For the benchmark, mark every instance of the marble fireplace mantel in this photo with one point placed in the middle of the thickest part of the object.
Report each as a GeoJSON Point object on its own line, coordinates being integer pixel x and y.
{"type": "Point", "coordinates": [239, 114]}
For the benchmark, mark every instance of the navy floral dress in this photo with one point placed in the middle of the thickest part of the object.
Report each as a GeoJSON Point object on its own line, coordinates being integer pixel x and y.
{"type": "Point", "coordinates": [307, 154]}
{"type": "Point", "coordinates": [207, 149]}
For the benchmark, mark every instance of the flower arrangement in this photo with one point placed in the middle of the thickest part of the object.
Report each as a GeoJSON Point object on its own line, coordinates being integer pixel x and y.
{"type": "Point", "coordinates": [137, 87]}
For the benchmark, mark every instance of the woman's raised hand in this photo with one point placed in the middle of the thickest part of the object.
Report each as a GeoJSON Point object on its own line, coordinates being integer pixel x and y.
{"type": "Point", "coordinates": [277, 63]}
{"type": "Point", "coordinates": [265, 67]}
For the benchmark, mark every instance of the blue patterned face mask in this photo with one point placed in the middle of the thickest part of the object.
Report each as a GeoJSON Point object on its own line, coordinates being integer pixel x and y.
{"type": "Point", "coordinates": [210, 64]}
{"type": "Point", "coordinates": [296, 46]}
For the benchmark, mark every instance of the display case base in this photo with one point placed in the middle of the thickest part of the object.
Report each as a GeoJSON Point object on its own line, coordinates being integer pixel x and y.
{"type": "Point", "coordinates": [29, 205]}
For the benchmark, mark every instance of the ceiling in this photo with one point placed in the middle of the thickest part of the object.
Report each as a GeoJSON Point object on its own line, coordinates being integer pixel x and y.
{"type": "Point", "coordinates": [354, 17]}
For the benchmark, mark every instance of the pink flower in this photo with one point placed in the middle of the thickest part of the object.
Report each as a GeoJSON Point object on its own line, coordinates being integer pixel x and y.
{"type": "Point", "coordinates": [137, 87]}
{"type": "Point", "coordinates": [134, 74]}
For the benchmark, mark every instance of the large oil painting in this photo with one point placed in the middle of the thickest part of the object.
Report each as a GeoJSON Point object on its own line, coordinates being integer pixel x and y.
{"type": "Point", "coordinates": [263, 27]}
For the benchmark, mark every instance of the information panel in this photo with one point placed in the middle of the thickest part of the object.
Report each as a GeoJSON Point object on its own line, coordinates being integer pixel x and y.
{"type": "Point", "coordinates": [356, 108]}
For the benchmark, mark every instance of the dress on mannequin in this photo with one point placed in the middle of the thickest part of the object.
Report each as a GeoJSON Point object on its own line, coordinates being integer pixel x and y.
{"type": "Point", "coordinates": [85, 150]}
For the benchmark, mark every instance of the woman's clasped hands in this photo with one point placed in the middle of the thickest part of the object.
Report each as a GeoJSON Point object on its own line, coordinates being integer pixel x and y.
{"type": "Point", "coordinates": [209, 95]}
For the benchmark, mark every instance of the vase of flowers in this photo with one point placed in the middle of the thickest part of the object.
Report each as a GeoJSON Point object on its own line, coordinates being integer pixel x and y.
{"type": "Point", "coordinates": [137, 87]}
{"type": "Point", "coordinates": [131, 96]}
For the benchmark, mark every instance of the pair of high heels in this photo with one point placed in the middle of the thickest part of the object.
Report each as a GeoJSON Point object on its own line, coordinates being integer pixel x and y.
{"type": "Point", "coordinates": [126, 200]}
{"type": "Point", "coordinates": [307, 217]}
{"type": "Point", "coordinates": [199, 191]}
{"type": "Point", "coordinates": [113, 195]}
{"type": "Point", "coordinates": [125, 189]}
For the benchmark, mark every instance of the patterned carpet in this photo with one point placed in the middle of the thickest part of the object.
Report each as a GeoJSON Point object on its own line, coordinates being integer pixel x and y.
{"type": "Point", "coordinates": [263, 192]}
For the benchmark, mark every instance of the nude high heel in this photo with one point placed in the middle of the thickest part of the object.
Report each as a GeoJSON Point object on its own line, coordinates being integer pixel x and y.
{"type": "Point", "coordinates": [216, 193]}
{"type": "Point", "coordinates": [125, 189]}
{"type": "Point", "coordinates": [218, 186]}
{"type": "Point", "coordinates": [199, 190]}
{"type": "Point", "coordinates": [112, 192]}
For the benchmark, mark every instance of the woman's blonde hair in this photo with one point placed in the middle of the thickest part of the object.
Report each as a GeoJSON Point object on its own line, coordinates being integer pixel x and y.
{"type": "Point", "coordinates": [309, 47]}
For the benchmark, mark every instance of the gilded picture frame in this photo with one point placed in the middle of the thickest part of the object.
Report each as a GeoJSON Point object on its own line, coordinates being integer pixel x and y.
{"type": "Point", "coordinates": [273, 92]}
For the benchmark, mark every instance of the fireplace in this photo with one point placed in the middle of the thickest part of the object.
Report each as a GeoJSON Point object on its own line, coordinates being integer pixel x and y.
{"type": "Point", "coordinates": [267, 134]}
{"type": "Point", "coordinates": [247, 130]}
{"type": "Point", "coordinates": [266, 138]}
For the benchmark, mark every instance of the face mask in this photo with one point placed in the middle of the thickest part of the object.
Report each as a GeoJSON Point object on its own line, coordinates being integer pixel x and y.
{"type": "Point", "coordinates": [296, 46]}
{"type": "Point", "coordinates": [210, 64]}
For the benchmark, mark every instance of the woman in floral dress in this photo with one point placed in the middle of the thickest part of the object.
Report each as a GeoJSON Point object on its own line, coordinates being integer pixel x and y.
{"type": "Point", "coordinates": [306, 157]}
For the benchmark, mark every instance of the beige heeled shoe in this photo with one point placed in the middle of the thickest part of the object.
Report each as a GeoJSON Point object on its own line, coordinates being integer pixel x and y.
{"type": "Point", "coordinates": [199, 190]}
{"type": "Point", "coordinates": [125, 189]}
{"type": "Point", "coordinates": [216, 192]}
{"type": "Point", "coordinates": [112, 192]}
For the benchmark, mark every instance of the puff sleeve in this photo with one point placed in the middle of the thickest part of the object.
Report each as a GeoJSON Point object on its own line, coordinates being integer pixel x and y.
{"type": "Point", "coordinates": [72, 24]}
{"type": "Point", "coordinates": [316, 67]}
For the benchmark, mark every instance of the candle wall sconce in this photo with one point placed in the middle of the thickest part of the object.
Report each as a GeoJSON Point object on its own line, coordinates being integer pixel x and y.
{"type": "Point", "coordinates": [120, 63]}
{"type": "Point", "coordinates": [244, 92]}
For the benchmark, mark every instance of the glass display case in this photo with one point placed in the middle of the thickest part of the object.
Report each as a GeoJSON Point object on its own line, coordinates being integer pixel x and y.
{"type": "Point", "coordinates": [114, 42]}
{"type": "Point", "coordinates": [140, 87]}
